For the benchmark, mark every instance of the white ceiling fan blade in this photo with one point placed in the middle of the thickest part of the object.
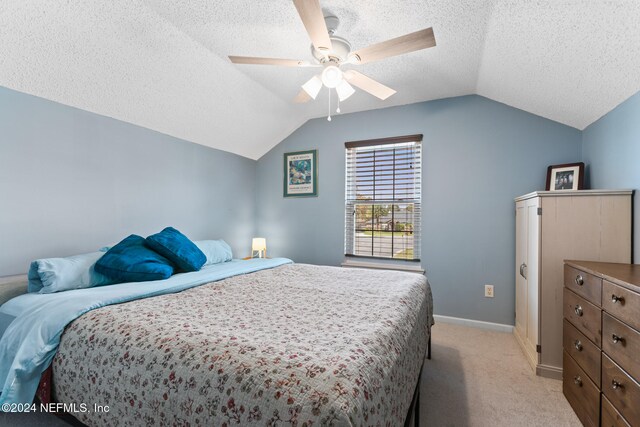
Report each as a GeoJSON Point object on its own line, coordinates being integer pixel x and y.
{"type": "Point", "coordinates": [313, 20]}
{"type": "Point", "coordinates": [270, 61]}
{"type": "Point", "coordinates": [422, 39]}
{"type": "Point", "coordinates": [368, 84]}
{"type": "Point", "coordinates": [302, 97]}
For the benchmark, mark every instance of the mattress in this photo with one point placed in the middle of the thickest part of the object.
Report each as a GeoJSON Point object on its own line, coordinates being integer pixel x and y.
{"type": "Point", "coordinates": [292, 345]}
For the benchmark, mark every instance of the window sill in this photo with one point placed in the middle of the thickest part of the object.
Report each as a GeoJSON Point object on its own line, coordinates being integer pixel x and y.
{"type": "Point", "coordinates": [397, 265]}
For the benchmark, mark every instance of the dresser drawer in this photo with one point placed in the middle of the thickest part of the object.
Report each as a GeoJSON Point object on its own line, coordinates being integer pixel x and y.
{"type": "Point", "coordinates": [622, 344]}
{"type": "Point", "coordinates": [622, 303]}
{"type": "Point", "coordinates": [610, 415]}
{"type": "Point", "coordinates": [583, 351]}
{"type": "Point", "coordinates": [580, 391]}
{"type": "Point", "coordinates": [621, 390]}
{"type": "Point", "coordinates": [583, 315]}
{"type": "Point", "coordinates": [584, 284]}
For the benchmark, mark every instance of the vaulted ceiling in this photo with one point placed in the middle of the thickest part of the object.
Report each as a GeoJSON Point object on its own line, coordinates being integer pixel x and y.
{"type": "Point", "coordinates": [163, 64]}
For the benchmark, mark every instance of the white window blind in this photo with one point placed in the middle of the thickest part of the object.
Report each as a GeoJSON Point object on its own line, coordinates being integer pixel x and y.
{"type": "Point", "coordinates": [383, 198]}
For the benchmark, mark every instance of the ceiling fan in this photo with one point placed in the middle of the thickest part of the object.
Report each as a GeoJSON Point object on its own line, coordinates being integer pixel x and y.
{"type": "Point", "coordinates": [331, 51]}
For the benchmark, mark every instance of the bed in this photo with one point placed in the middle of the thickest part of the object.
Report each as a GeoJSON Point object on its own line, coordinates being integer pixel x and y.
{"type": "Point", "coordinates": [290, 344]}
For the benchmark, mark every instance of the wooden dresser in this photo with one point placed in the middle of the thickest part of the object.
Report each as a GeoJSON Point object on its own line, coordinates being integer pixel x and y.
{"type": "Point", "coordinates": [601, 342]}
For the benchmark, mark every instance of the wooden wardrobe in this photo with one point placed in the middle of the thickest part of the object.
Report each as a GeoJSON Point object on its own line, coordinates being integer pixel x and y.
{"type": "Point", "coordinates": [552, 226]}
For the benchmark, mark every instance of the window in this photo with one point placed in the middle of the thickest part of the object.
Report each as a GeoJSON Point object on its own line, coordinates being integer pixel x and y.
{"type": "Point", "coordinates": [383, 193]}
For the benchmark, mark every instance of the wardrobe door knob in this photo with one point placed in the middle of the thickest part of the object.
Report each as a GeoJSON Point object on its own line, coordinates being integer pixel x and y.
{"type": "Point", "coordinates": [615, 385]}
{"type": "Point", "coordinates": [577, 381]}
{"type": "Point", "coordinates": [523, 270]}
{"type": "Point", "coordinates": [616, 338]}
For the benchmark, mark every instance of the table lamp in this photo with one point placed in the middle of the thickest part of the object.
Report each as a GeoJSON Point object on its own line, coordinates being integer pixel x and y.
{"type": "Point", "coordinates": [259, 247]}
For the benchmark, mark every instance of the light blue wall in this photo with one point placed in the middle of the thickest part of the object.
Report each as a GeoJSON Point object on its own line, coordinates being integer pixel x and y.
{"type": "Point", "coordinates": [477, 156]}
{"type": "Point", "coordinates": [611, 149]}
{"type": "Point", "coordinates": [72, 182]}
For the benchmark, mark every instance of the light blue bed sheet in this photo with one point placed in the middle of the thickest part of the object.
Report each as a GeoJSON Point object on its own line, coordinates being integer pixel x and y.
{"type": "Point", "coordinates": [31, 340]}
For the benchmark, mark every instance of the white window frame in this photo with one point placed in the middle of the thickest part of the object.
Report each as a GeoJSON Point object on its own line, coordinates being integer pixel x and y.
{"type": "Point", "coordinates": [411, 195]}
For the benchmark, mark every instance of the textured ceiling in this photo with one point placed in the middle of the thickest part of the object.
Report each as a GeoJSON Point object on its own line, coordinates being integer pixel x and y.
{"type": "Point", "coordinates": [163, 64]}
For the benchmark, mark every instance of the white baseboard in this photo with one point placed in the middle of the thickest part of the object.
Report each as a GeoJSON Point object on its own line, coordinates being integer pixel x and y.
{"type": "Point", "coordinates": [473, 323]}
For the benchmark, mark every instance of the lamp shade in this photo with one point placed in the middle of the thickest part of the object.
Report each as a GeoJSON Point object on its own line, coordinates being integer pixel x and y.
{"type": "Point", "coordinates": [259, 244]}
{"type": "Point", "coordinates": [313, 86]}
{"type": "Point", "coordinates": [345, 90]}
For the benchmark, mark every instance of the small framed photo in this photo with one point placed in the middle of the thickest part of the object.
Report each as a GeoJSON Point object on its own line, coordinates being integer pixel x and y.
{"type": "Point", "coordinates": [569, 176]}
{"type": "Point", "coordinates": [301, 174]}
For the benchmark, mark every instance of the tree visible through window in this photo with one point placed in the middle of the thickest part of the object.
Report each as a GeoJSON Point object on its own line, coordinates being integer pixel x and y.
{"type": "Point", "coordinates": [383, 194]}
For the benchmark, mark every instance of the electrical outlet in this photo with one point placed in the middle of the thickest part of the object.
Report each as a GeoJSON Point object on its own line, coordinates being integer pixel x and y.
{"type": "Point", "coordinates": [488, 291]}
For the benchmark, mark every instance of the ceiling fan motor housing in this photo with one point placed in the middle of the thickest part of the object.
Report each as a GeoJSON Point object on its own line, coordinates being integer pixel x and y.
{"type": "Point", "coordinates": [339, 52]}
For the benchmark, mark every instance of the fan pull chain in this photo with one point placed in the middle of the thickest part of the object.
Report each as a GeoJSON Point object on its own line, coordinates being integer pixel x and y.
{"type": "Point", "coordinates": [338, 109]}
{"type": "Point", "coordinates": [329, 116]}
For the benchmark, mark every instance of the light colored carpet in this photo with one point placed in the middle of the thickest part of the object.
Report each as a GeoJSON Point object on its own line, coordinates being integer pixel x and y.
{"type": "Point", "coordinates": [481, 378]}
{"type": "Point", "coordinates": [474, 378]}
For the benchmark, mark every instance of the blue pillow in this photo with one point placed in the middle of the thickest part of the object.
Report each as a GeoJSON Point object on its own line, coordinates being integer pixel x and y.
{"type": "Point", "coordinates": [131, 261]}
{"type": "Point", "coordinates": [63, 274]}
{"type": "Point", "coordinates": [217, 251]}
{"type": "Point", "coordinates": [177, 248]}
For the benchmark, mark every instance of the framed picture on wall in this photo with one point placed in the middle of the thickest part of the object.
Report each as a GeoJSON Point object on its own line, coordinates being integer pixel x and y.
{"type": "Point", "coordinates": [301, 174]}
{"type": "Point", "coordinates": [569, 176]}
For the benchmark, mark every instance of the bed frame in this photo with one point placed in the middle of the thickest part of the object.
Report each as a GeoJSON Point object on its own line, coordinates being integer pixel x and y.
{"type": "Point", "coordinates": [414, 408]}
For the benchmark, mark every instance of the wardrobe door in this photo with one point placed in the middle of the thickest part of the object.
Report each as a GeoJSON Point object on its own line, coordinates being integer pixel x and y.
{"type": "Point", "coordinates": [521, 262]}
{"type": "Point", "coordinates": [533, 256]}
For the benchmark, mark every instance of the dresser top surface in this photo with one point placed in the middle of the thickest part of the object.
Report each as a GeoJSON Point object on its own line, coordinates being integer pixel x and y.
{"type": "Point", "coordinates": [626, 275]}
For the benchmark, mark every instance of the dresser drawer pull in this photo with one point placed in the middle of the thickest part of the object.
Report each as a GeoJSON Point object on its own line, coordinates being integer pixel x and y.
{"type": "Point", "coordinates": [616, 339]}
{"type": "Point", "coordinates": [615, 299]}
{"type": "Point", "coordinates": [577, 381]}
{"type": "Point", "coordinates": [578, 345]}
{"type": "Point", "coordinates": [579, 280]}
{"type": "Point", "coordinates": [578, 310]}
{"type": "Point", "coordinates": [616, 385]}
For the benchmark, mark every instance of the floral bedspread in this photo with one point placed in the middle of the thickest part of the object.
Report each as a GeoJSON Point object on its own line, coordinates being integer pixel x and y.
{"type": "Point", "coordinates": [296, 345]}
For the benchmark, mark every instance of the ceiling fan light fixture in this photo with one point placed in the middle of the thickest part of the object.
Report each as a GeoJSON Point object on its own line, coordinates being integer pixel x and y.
{"type": "Point", "coordinates": [331, 76]}
{"type": "Point", "coordinates": [313, 86]}
{"type": "Point", "coordinates": [344, 90]}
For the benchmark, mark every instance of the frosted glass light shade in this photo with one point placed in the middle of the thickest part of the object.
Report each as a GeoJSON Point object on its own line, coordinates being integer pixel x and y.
{"type": "Point", "coordinates": [345, 90]}
{"type": "Point", "coordinates": [313, 86]}
{"type": "Point", "coordinates": [331, 76]}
